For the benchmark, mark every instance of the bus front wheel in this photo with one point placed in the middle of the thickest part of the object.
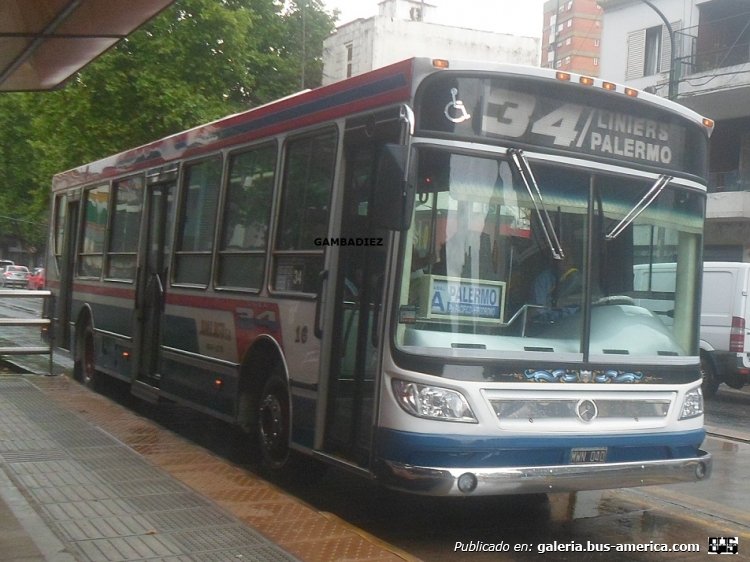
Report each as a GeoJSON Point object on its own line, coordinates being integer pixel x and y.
{"type": "Point", "coordinates": [273, 423]}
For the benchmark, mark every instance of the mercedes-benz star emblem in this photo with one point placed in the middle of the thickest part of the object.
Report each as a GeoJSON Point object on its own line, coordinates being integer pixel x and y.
{"type": "Point", "coordinates": [586, 410]}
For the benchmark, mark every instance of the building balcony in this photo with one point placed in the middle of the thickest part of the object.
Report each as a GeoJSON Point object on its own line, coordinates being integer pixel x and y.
{"type": "Point", "coordinates": [714, 78]}
{"type": "Point", "coordinates": [730, 205]}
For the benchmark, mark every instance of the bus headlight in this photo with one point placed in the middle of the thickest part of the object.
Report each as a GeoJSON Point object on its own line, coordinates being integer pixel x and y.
{"type": "Point", "coordinates": [692, 405]}
{"type": "Point", "coordinates": [432, 402]}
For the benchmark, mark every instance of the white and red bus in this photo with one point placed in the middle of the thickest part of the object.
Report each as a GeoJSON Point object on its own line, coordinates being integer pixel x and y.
{"type": "Point", "coordinates": [423, 273]}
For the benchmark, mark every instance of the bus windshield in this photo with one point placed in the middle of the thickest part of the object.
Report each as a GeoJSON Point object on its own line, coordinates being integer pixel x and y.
{"type": "Point", "coordinates": [483, 273]}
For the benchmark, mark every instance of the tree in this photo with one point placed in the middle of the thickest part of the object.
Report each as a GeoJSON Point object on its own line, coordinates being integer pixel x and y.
{"type": "Point", "coordinates": [195, 62]}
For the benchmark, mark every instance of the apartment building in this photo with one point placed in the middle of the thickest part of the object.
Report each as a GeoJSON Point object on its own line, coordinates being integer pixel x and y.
{"type": "Point", "coordinates": [404, 29]}
{"type": "Point", "coordinates": [701, 59]}
{"type": "Point", "coordinates": [571, 36]}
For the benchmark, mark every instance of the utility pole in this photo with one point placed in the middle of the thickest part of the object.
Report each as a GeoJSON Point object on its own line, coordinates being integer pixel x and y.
{"type": "Point", "coordinates": [672, 91]}
{"type": "Point", "coordinates": [304, 44]}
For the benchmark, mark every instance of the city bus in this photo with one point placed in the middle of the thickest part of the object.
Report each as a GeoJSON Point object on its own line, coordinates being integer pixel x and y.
{"type": "Point", "coordinates": [423, 274]}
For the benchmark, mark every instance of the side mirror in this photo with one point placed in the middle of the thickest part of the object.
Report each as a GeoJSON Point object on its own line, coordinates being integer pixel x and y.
{"type": "Point", "coordinates": [393, 199]}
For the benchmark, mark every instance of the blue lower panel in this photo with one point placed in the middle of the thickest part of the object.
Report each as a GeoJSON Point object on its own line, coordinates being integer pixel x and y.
{"type": "Point", "coordinates": [456, 451]}
{"type": "Point", "coordinates": [196, 384]}
{"type": "Point", "coordinates": [303, 420]}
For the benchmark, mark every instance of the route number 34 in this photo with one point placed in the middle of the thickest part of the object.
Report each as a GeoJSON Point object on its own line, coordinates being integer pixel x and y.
{"type": "Point", "coordinates": [510, 113]}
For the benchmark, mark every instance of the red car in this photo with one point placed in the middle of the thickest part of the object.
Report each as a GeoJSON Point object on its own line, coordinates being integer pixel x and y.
{"type": "Point", "coordinates": [36, 279]}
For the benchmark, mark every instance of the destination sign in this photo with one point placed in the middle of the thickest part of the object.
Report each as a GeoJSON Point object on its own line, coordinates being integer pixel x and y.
{"type": "Point", "coordinates": [582, 128]}
{"type": "Point", "coordinates": [453, 297]}
{"type": "Point", "coordinates": [551, 115]}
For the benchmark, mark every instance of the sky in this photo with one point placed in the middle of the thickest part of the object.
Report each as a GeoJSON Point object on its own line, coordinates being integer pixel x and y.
{"type": "Point", "coordinates": [518, 17]}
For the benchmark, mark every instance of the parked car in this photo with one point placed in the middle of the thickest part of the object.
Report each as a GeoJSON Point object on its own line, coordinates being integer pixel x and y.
{"type": "Point", "coordinates": [36, 279]}
{"type": "Point", "coordinates": [15, 276]}
{"type": "Point", "coordinates": [6, 263]}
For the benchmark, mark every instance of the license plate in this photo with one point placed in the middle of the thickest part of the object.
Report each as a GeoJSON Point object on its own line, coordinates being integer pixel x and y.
{"type": "Point", "coordinates": [588, 455]}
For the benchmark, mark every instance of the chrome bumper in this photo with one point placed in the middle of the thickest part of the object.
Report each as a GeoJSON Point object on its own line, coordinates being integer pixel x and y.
{"type": "Point", "coordinates": [546, 479]}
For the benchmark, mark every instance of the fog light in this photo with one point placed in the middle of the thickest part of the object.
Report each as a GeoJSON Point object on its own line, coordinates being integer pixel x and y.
{"type": "Point", "coordinates": [700, 471]}
{"type": "Point", "coordinates": [467, 482]}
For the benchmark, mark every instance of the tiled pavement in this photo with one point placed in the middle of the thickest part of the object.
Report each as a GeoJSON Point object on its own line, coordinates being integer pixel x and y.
{"type": "Point", "coordinates": [86, 479]}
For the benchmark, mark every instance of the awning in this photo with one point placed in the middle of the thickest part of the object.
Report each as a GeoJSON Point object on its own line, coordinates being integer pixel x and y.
{"type": "Point", "coordinates": [45, 42]}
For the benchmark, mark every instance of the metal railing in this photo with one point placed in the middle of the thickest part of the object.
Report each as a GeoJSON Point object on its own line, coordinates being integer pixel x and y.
{"type": "Point", "coordinates": [41, 322]}
{"type": "Point", "coordinates": [713, 44]}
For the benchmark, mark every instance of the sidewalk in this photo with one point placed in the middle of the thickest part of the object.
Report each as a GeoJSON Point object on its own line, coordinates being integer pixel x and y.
{"type": "Point", "coordinates": [82, 478]}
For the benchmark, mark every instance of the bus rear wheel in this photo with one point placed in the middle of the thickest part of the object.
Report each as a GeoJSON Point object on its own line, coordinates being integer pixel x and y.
{"type": "Point", "coordinates": [273, 423]}
{"type": "Point", "coordinates": [84, 368]}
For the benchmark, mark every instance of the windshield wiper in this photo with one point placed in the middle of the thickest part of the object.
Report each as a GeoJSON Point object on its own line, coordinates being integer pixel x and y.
{"type": "Point", "coordinates": [524, 170]}
{"type": "Point", "coordinates": [639, 207]}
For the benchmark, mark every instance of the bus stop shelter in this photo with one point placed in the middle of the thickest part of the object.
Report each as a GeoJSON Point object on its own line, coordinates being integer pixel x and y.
{"type": "Point", "coordinates": [45, 42]}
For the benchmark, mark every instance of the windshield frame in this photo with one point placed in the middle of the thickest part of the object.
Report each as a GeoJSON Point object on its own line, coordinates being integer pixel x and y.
{"type": "Point", "coordinates": [407, 355]}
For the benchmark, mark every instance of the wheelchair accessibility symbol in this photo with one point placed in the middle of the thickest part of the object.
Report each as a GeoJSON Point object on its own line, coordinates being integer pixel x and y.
{"type": "Point", "coordinates": [455, 111]}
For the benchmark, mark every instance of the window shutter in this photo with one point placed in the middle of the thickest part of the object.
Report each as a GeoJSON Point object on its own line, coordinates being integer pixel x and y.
{"type": "Point", "coordinates": [636, 54]}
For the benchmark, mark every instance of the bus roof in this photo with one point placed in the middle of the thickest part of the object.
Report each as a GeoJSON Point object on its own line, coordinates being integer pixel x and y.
{"type": "Point", "coordinates": [388, 85]}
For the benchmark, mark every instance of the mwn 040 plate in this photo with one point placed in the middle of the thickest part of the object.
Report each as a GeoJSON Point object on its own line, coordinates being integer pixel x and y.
{"type": "Point", "coordinates": [588, 455]}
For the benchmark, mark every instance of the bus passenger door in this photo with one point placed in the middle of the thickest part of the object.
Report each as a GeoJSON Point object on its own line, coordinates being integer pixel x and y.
{"type": "Point", "coordinates": [352, 379]}
{"type": "Point", "coordinates": [151, 288]}
{"type": "Point", "coordinates": [67, 215]}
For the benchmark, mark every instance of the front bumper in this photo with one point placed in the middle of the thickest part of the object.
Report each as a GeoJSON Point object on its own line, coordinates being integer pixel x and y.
{"type": "Point", "coordinates": [546, 479]}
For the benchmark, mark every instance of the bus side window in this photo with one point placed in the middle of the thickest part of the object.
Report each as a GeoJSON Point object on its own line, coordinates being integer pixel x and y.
{"type": "Point", "coordinates": [247, 212]}
{"type": "Point", "coordinates": [303, 213]}
{"type": "Point", "coordinates": [195, 241]}
{"type": "Point", "coordinates": [124, 228]}
{"type": "Point", "coordinates": [91, 251]}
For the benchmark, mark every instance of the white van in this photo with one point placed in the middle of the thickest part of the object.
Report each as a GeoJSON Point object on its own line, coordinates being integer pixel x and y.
{"type": "Point", "coordinates": [725, 313]}
{"type": "Point", "coordinates": [725, 342]}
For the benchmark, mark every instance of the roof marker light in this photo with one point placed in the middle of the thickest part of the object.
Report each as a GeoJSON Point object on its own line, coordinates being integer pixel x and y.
{"type": "Point", "coordinates": [586, 80]}
{"type": "Point", "coordinates": [440, 63]}
{"type": "Point", "coordinates": [562, 76]}
{"type": "Point", "coordinates": [632, 92]}
{"type": "Point", "coordinates": [708, 122]}
{"type": "Point", "coordinates": [611, 86]}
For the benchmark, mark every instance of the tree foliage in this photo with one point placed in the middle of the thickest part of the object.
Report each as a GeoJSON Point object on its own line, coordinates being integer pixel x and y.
{"type": "Point", "coordinates": [197, 61]}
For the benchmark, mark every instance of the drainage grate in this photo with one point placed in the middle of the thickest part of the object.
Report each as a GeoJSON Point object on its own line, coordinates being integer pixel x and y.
{"type": "Point", "coordinates": [33, 456]}
{"type": "Point", "coordinates": [84, 509]}
{"type": "Point", "coordinates": [167, 502]}
{"type": "Point", "coordinates": [188, 519]}
{"type": "Point", "coordinates": [218, 538]}
{"type": "Point", "coordinates": [45, 467]}
{"type": "Point", "coordinates": [85, 438]}
{"type": "Point", "coordinates": [160, 485]}
{"type": "Point", "coordinates": [104, 527]}
{"type": "Point", "coordinates": [128, 548]}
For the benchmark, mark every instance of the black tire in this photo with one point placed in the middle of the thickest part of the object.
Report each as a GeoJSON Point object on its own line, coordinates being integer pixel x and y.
{"type": "Point", "coordinates": [84, 369]}
{"type": "Point", "coordinates": [273, 423]}
{"type": "Point", "coordinates": [710, 384]}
